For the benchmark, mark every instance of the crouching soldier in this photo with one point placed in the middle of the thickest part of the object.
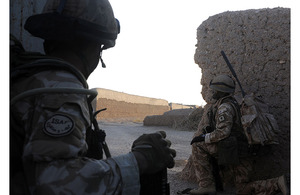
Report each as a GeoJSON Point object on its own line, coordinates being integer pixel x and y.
{"type": "Point", "coordinates": [222, 138]}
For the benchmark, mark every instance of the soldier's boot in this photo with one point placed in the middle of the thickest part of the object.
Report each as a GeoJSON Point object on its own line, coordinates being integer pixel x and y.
{"type": "Point", "coordinates": [282, 185]}
{"type": "Point", "coordinates": [204, 190]}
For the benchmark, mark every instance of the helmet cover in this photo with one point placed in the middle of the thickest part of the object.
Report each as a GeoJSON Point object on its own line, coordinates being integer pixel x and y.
{"type": "Point", "coordinates": [223, 83]}
{"type": "Point", "coordinates": [91, 20]}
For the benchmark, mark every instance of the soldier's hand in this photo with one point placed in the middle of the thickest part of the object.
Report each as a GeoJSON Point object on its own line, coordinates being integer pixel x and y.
{"type": "Point", "coordinates": [153, 152]}
{"type": "Point", "coordinates": [199, 138]}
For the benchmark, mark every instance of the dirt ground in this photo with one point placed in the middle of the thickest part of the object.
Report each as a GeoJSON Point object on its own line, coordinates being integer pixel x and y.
{"type": "Point", "coordinates": [121, 135]}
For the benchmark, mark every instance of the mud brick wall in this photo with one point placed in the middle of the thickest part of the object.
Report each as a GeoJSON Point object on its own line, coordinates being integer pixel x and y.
{"type": "Point", "coordinates": [257, 43]}
{"type": "Point", "coordinates": [127, 111]}
{"type": "Point", "coordinates": [126, 107]}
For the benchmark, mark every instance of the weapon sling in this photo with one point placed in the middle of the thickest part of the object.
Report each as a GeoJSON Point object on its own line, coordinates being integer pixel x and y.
{"type": "Point", "coordinates": [233, 72]}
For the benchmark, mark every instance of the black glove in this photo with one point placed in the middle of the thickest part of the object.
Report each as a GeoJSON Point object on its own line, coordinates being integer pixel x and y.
{"type": "Point", "coordinates": [199, 138]}
{"type": "Point", "coordinates": [153, 152]}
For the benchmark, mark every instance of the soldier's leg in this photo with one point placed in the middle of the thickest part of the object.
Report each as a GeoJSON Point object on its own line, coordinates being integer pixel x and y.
{"type": "Point", "coordinates": [241, 174]}
{"type": "Point", "coordinates": [203, 169]}
{"type": "Point", "coordinates": [270, 186]}
{"type": "Point", "coordinates": [261, 187]}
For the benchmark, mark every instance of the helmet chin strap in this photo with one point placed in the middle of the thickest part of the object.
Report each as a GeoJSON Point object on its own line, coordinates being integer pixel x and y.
{"type": "Point", "coordinates": [101, 60]}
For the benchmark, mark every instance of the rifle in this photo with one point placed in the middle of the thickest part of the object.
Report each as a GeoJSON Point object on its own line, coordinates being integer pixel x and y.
{"type": "Point", "coordinates": [101, 133]}
{"type": "Point", "coordinates": [96, 140]}
{"type": "Point", "coordinates": [233, 72]}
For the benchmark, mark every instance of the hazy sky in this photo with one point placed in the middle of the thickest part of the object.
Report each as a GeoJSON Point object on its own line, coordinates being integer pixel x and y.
{"type": "Point", "coordinates": [154, 53]}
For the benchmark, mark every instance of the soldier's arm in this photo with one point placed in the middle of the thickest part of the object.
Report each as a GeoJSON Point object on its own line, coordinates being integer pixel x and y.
{"type": "Point", "coordinates": [224, 121]}
{"type": "Point", "coordinates": [54, 162]}
{"type": "Point", "coordinates": [54, 148]}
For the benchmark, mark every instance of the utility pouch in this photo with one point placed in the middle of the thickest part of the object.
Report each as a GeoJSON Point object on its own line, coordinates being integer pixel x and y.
{"type": "Point", "coordinates": [228, 151]}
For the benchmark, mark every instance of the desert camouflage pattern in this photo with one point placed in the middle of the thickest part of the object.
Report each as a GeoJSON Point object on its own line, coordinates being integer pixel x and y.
{"type": "Point", "coordinates": [225, 119]}
{"type": "Point", "coordinates": [54, 129]}
{"type": "Point", "coordinates": [201, 151]}
{"type": "Point", "coordinates": [243, 184]}
{"type": "Point", "coordinates": [203, 169]}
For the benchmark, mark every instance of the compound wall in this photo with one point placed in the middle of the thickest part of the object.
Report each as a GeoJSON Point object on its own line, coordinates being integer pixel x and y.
{"type": "Point", "coordinates": [123, 107]}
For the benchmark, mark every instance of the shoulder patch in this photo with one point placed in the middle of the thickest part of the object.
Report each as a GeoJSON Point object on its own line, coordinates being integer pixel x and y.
{"type": "Point", "coordinates": [225, 107]}
{"type": "Point", "coordinates": [59, 125]}
{"type": "Point", "coordinates": [221, 118]}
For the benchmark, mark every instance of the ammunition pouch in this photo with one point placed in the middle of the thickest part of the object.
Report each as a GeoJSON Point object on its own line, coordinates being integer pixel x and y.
{"type": "Point", "coordinates": [228, 151]}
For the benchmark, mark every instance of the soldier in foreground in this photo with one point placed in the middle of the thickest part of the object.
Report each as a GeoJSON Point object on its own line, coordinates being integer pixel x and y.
{"type": "Point", "coordinates": [221, 138]}
{"type": "Point", "coordinates": [51, 110]}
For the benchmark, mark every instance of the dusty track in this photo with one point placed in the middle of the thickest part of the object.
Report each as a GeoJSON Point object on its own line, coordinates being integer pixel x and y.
{"type": "Point", "coordinates": [121, 135]}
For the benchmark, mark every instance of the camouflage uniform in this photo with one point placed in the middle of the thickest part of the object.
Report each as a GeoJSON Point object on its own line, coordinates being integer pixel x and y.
{"type": "Point", "coordinates": [225, 119]}
{"type": "Point", "coordinates": [52, 128]}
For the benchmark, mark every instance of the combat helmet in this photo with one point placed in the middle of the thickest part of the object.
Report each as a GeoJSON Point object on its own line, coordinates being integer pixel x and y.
{"type": "Point", "coordinates": [223, 83]}
{"type": "Point", "coordinates": [68, 20]}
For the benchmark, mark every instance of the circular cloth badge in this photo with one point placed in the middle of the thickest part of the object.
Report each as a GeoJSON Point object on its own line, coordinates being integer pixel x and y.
{"type": "Point", "coordinates": [58, 125]}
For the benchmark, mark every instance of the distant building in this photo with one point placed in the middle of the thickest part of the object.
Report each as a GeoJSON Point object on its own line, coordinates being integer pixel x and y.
{"type": "Point", "coordinates": [175, 106]}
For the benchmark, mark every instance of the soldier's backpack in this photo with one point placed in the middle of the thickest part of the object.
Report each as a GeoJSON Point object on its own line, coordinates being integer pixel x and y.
{"type": "Point", "coordinates": [260, 127]}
